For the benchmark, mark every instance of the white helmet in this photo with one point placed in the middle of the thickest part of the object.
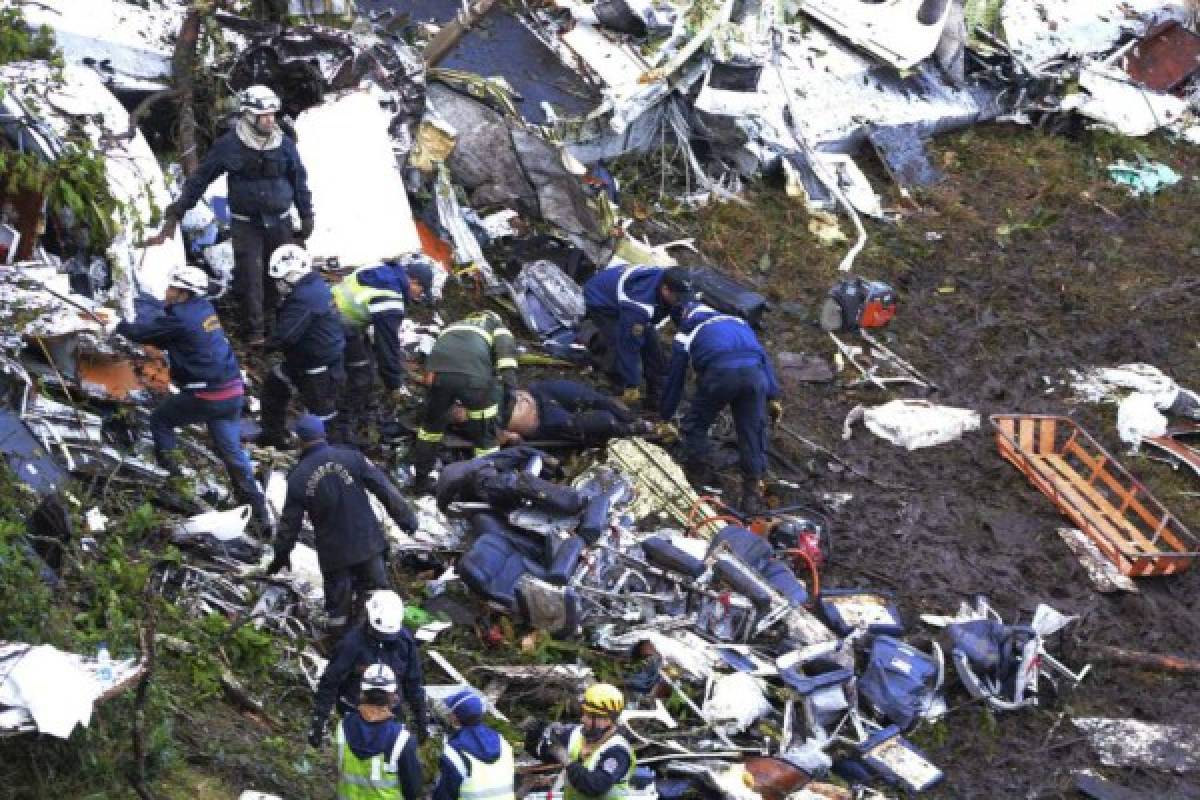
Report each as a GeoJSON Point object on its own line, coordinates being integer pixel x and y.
{"type": "Point", "coordinates": [193, 279]}
{"type": "Point", "coordinates": [258, 99]}
{"type": "Point", "coordinates": [385, 613]}
{"type": "Point", "coordinates": [379, 676]}
{"type": "Point", "coordinates": [289, 262]}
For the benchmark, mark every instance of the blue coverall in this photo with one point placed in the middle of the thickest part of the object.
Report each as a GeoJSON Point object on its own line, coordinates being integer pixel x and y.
{"type": "Point", "coordinates": [623, 302]}
{"type": "Point", "coordinates": [205, 369]}
{"type": "Point", "coordinates": [263, 186]}
{"type": "Point", "coordinates": [733, 369]}
{"type": "Point", "coordinates": [309, 332]}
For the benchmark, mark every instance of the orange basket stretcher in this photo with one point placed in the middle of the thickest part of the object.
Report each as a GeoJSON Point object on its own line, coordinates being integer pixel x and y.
{"type": "Point", "coordinates": [1095, 492]}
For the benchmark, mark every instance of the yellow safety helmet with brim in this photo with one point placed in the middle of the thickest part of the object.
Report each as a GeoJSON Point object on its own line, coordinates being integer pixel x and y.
{"type": "Point", "coordinates": [603, 699]}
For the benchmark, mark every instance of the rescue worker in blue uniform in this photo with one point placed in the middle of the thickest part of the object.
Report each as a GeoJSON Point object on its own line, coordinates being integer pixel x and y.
{"type": "Point", "coordinates": [732, 369]}
{"type": "Point", "coordinates": [330, 484]}
{"type": "Point", "coordinates": [308, 329]}
{"type": "Point", "coordinates": [626, 304]}
{"type": "Point", "coordinates": [565, 410]}
{"type": "Point", "coordinates": [206, 372]}
{"type": "Point", "coordinates": [266, 178]}
{"type": "Point", "coordinates": [599, 761]}
{"type": "Point", "coordinates": [476, 763]}
{"type": "Point", "coordinates": [380, 639]}
{"type": "Point", "coordinates": [375, 299]}
{"type": "Point", "coordinates": [376, 755]}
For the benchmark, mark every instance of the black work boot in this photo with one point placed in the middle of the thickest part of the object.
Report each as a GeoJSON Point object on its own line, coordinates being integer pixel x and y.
{"type": "Point", "coordinates": [754, 501]}
{"type": "Point", "coordinates": [280, 439]}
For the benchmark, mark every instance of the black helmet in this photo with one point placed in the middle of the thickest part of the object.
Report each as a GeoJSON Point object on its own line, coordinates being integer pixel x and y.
{"type": "Point", "coordinates": [679, 281]}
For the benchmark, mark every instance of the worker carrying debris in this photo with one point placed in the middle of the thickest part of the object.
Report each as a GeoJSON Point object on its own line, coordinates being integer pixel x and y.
{"type": "Point", "coordinates": [308, 330]}
{"type": "Point", "coordinates": [476, 763]}
{"type": "Point", "coordinates": [330, 484]}
{"type": "Point", "coordinates": [473, 362]}
{"type": "Point", "coordinates": [732, 369]}
{"type": "Point", "coordinates": [599, 761]}
{"type": "Point", "coordinates": [377, 757]}
{"type": "Point", "coordinates": [206, 371]}
{"type": "Point", "coordinates": [564, 410]}
{"type": "Point", "coordinates": [626, 304]}
{"type": "Point", "coordinates": [375, 299]}
{"type": "Point", "coordinates": [380, 639]}
{"type": "Point", "coordinates": [266, 178]}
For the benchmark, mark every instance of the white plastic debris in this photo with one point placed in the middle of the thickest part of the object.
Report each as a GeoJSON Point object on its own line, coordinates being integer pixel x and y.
{"type": "Point", "coordinates": [1109, 384]}
{"type": "Point", "coordinates": [96, 521]}
{"type": "Point", "coordinates": [913, 424]}
{"type": "Point", "coordinates": [359, 201]}
{"type": "Point", "coordinates": [224, 525]}
{"type": "Point", "coordinates": [1111, 98]}
{"type": "Point", "coordinates": [737, 700]}
{"type": "Point", "coordinates": [1048, 620]}
{"type": "Point", "coordinates": [251, 794]}
{"type": "Point", "coordinates": [1138, 418]}
{"type": "Point", "coordinates": [54, 687]}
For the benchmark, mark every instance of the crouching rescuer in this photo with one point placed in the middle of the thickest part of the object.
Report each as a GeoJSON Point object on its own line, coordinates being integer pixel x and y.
{"type": "Point", "coordinates": [205, 369]}
{"type": "Point", "coordinates": [376, 755]}
{"type": "Point", "coordinates": [308, 330]}
{"type": "Point", "coordinates": [473, 362]}
{"type": "Point", "coordinates": [599, 761]}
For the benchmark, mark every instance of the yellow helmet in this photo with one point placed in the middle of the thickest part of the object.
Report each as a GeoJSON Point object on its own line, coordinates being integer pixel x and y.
{"type": "Point", "coordinates": [603, 698]}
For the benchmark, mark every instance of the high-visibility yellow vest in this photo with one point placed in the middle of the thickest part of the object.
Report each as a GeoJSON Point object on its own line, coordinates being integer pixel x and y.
{"type": "Point", "coordinates": [373, 778]}
{"type": "Point", "coordinates": [620, 789]}
{"type": "Point", "coordinates": [356, 302]}
{"type": "Point", "coordinates": [481, 780]}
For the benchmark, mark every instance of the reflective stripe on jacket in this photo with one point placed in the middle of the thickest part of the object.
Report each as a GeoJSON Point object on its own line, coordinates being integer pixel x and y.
{"type": "Point", "coordinates": [620, 789]}
{"type": "Point", "coordinates": [357, 302]}
{"type": "Point", "coordinates": [481, 780]}
{"type": "Point", "coordinates": [371, 778]}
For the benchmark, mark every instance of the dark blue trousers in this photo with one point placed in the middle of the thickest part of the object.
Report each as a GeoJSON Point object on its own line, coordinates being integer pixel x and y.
{"type": "Point", "coordinates": [744, 390]}
{"type": "Point", "coordinates": [654, 365]}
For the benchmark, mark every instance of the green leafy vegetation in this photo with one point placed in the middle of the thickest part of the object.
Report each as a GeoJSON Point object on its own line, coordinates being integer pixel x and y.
{"type": "Point", "coordinates": [19, 43]}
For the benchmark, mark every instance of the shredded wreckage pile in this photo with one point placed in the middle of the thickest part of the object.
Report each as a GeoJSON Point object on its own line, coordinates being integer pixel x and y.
{"type": "Point", "coordinates": [779, 680]}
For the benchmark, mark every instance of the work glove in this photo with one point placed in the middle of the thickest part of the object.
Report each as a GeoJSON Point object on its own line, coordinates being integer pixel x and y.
{"type": "Point", "coordinates": [631, 395]}
{"type": "Point", "coordinates": [556, 753]}
{"type": "Point", "coordinates": [316, 733]}
{"type": "Point", "coordinates": [108, 320]}
{"type": "Point", "coordinates": [280, 561]}
{"type": "Point", "coordinates": [306, 228]}
{"type": "Point", "coordinates": [667, 432]}
{"type": "Point", "coordinates": [775, 411]}
{"type": "Point", "coordinates": [400, 396]}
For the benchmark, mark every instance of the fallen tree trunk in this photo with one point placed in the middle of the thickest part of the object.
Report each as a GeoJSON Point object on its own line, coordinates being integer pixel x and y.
{"type": "Point", "coordinates": [454, 30]}
{"type": "Point", "coordinates": [183, 63]}
{"type": "Point", "coordinates": [1152, 661]}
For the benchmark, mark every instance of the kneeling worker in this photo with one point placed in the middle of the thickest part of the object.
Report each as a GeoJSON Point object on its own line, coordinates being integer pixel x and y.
{"type": "Point", "coordinates": [377, 757]}
{"type": "Point", "coordinates": [598, 759]}
{"type": "Point", "coordinates": [477, 764]}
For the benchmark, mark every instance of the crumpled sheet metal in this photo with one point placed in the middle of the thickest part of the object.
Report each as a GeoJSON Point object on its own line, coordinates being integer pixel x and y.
{"type": "Point", "coordinates": [359, 200]}
{"type": "Point", "coordinates": [50, 691]}
{"type": "Point", "coordinates": [660, 485]}
{"type": "Point", "coordinates": [126, 44]}
{"type": "Point", "coordinates": [499, 162]}
{"type": "Point", "coordinates": [1110, 97]}
{"type": "Point", "coordinates": [134, 176]}
{"type": "Point", "coordinates": [913, 424]}
{"type": "Point", "coordinates": [1039, 31]}
{"type": "Point", "coordinates": [900, 32]}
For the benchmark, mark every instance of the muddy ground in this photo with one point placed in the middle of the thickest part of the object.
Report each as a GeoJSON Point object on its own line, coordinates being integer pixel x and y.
{"type": "Point", "coordinates": [1025, 262]}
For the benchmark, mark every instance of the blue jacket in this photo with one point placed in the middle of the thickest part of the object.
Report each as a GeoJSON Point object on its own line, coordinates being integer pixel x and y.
{"type": "Point", "coordinates": [369, 739]}
{"type": "Point", "coordinates": [331, 484]}
{"type": "Point", "coordinates": [708, 340]}
{"type": "Point", "coordinates": [308, 329]}
{"type": "Point", "coordinates": [263, 184]}
{"type": "Point", "coordinates": [197, 350]}
{"type": "Point", "coordinates": [631, 295]}
{"type": "Point", "coordinates": [356, 651]}
{"type": "Point", "coordinates": [478, 741]}
{"type": "Point", "coordinates": [386, 317]}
